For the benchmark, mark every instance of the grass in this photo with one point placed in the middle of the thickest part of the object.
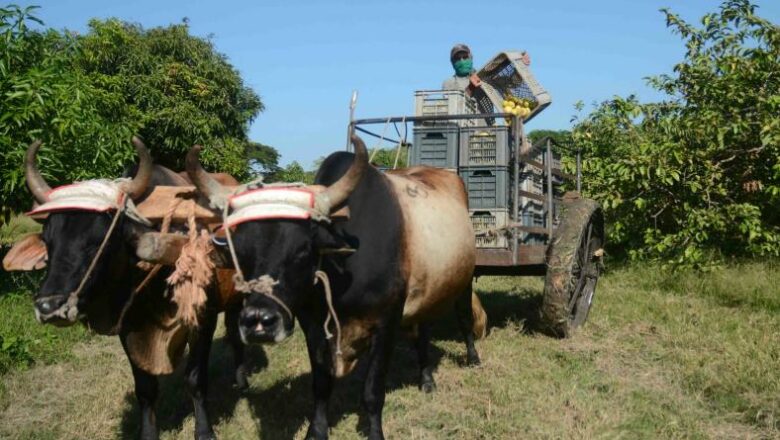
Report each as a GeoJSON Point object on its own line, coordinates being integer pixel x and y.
{"type": "Point", "coordinates": [684, 355]}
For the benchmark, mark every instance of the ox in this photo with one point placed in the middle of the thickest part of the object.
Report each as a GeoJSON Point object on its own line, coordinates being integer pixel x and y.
{"type": "Point", "coordinates": [76, 238]}
{"type": "Point", "coordinates": [404, 253]}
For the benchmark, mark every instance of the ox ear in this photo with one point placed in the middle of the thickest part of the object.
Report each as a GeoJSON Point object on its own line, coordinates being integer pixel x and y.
{"type": "Point", "coordinates": [27, 254]}
{"type": "Point", "coordinates": [327, 241]}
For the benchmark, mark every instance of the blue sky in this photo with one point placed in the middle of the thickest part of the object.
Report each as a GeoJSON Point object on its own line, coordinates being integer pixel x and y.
{"type": "Point", "coordinates": [304, 58]}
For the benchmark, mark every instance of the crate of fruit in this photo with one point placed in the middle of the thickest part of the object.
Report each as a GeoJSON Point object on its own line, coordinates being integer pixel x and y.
{"type": "Point", "coordinates": [507, 78]}
{"type": "Point", "coordinates": [484, 146]}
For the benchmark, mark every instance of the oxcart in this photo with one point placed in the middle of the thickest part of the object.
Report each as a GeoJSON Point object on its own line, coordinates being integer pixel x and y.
{"type": "Point", "coordinates": [526, 223]}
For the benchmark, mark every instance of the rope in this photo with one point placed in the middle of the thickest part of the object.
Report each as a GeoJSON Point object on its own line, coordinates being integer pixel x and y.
{"type": "Point", "coordinates": [264, 285]}
{"type": "Point", "coordinates": [73, 298]}
{"type": "Point", "coordinates": [322, 277]}
{"type": "Point", "coordinates": [379, 143]}
{"type": "Point", "coordinates": [152, 271]}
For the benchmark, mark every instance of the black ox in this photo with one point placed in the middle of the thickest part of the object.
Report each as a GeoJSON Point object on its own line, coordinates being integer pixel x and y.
{"type": "Point", "coordinates": [405, 252]}
{"type": "Point", "coordinates": [72, 239]}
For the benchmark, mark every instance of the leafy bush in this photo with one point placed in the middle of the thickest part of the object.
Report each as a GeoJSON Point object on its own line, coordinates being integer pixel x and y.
{"type": "Point", "coordinates": [86, 95]}
{"type": "Point", "coordinates": [695, 177]}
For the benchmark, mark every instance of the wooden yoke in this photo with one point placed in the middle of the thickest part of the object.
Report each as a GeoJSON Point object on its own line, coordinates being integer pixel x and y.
{"type": "Point", "coordinates": [164, 248]}
{"type": "Point", "coordinates": [163, 198]}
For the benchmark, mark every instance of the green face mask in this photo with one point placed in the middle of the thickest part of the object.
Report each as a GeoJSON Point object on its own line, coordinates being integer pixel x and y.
{"type": "Point", "coordinates": [463, 67]}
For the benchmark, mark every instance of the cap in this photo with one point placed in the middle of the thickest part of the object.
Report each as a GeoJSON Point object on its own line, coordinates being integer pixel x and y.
{"type": "Point", "coordinates": [459, 48]}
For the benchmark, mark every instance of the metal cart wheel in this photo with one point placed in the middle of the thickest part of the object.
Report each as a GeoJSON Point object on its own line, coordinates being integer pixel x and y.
{"type": "Point", "coordinates": [573, 266]}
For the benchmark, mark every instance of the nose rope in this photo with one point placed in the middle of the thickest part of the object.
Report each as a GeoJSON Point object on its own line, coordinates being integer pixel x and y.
{"type": "Point", "coordinates": [73, 298]}
{"type": "Point", "coordinates": [264, 285]}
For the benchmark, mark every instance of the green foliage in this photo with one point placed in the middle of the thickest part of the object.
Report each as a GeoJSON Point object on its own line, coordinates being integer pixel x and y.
{"type": "Point", "coordinates": [386, 157]}
{"type": "Point", "coordinates": [263, 159]}
{"type": "Point", "coordinates": [86, 95]}
{"type": "Point", "coordinates": [562, 137]}
{"type": "Point", "coordinates": [293, 173]}
{"type": "Point", "coordinates": [695, 177]}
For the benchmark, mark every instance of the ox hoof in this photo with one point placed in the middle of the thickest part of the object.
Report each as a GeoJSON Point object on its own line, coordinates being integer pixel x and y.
{"type": "Point", "coordinates": [428, 386]}
{"type": "Point", "coordinates": [472, 360]}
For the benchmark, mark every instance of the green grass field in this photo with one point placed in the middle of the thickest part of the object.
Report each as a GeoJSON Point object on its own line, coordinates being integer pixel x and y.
{"type": "Point", "coordinates": [687, 355]}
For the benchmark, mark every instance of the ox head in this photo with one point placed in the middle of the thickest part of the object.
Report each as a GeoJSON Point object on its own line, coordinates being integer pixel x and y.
{"type": "Point", "coordinates": [72, 236]}
{"type": "Point", "coordinates": [278, 244]}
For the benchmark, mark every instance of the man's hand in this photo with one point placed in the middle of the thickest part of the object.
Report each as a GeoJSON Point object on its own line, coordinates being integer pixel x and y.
{"type": "Point", "coordinates": [474, 80]}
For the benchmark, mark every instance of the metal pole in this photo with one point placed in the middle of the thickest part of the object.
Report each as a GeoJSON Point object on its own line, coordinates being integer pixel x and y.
{"type": "Point", "coordinates": [548, 171]}
{"type": "Point", "coordinates": [579, 170]}
{"type": "Point", "coordinates": [518, 137]}
{"type": "Point", "coordinates": [352, 104]}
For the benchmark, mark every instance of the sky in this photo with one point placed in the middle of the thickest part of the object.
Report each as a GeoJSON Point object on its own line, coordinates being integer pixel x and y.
{"type": "Point", "coordinates": [304, 58]}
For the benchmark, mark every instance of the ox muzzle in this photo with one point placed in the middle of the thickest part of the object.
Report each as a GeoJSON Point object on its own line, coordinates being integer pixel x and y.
{"type": "Point", "coordinates": [263, 321]}
{"type": "Point", "coordinates": [59, 310]}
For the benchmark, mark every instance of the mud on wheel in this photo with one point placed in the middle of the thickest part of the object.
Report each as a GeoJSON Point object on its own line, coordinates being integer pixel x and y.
{"type": "Point", "coordinates": [573, 266]}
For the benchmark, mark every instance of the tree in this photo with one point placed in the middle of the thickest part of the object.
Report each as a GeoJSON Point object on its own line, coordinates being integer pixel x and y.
{"type": "Point", "coordinates": [263, 159]}
{"type": "Point", "coordinates": [386, 157]}
{"type": "Point", "coordinates": [294, 173]}
{"type": "Point", "coordinates": [695, 177]}
{"type": "Point", "coordinates": [562, 137]}
{"type": "Point", "coordinates": [86, 95]}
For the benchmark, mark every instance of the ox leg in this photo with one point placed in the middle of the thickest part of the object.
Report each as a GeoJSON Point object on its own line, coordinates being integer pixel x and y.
{"type": "Point", "coordinates": [423, 342]}
{"type": "Point", "coordinates": [382, 343]}
{"type": "Point", "coordinates": [196, 373]}
{"type": "Point", "coordinates": [146, 393]}
{"type": "Point", "coordinates": [466, 323]}
{"type": "Point", "coordinates": [234, 338]}
{"type": "Point", "coordinates": [322, 382]}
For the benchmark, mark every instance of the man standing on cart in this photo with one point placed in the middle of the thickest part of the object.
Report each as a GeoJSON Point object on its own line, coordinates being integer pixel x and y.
{"type": "Point", "coordinates": [465, 77]}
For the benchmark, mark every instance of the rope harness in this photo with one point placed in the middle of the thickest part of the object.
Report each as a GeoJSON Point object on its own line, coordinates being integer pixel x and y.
{"type": "Point", "coordinates": [264, 284]}
{"type": "Point", "coordinates": [73, 297]}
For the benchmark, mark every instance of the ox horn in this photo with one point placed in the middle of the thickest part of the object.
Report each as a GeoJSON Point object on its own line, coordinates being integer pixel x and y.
{"type": "Point", "coordinates": [202, 180]}
{"type": "Point", "coordinates": [38, 186]}
{"type": "Point", "coordinates": [335, 194]}
{"type": "Point", "coordinates": [136, 187]}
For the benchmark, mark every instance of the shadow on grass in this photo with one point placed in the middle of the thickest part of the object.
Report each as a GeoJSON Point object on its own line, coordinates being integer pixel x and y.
{"type": "Point", "coordinates": [286, 406]}
{"type": "Point", "coordinates": [174, 403]}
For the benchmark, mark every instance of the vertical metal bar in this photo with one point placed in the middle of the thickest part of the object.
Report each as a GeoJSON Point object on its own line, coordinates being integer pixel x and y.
{"type": "Point", "coordinates": [548, 170]}
{"type": "Point", "coordinates": [518, 137]}
{"type": "Point", "coordinates": [351, 129]}
{"type": "Point", "coordinates": [579, 170]}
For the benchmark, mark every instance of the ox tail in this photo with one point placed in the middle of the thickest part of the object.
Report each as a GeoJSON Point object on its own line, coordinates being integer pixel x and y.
{"type": "Point", "coordinates": [479, 317]}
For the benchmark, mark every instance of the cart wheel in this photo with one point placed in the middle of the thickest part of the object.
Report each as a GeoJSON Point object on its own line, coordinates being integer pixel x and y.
{"type": "Point", "coordinates": [573, 266]}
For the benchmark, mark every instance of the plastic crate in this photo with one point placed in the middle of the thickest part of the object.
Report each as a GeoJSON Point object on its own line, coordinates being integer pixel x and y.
{"type": "Point", "coordinates": [435, 146]}
{"type": "Point", "coordinates": [488, 226]}
{"type": "Point", "coordinates": [487, 187]}
{"type": "Point", "coordinates": [444, 102]}
{"type": "Point", "coordinates": [480, 146]}
{"type": "Point", "coordinates": [506, 73]}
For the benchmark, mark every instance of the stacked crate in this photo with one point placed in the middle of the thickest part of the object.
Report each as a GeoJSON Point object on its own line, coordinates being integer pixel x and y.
{"type": "Point", "coordinates": [436, 142]}
{"type": "Point", "coordinates": [484, 168]}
